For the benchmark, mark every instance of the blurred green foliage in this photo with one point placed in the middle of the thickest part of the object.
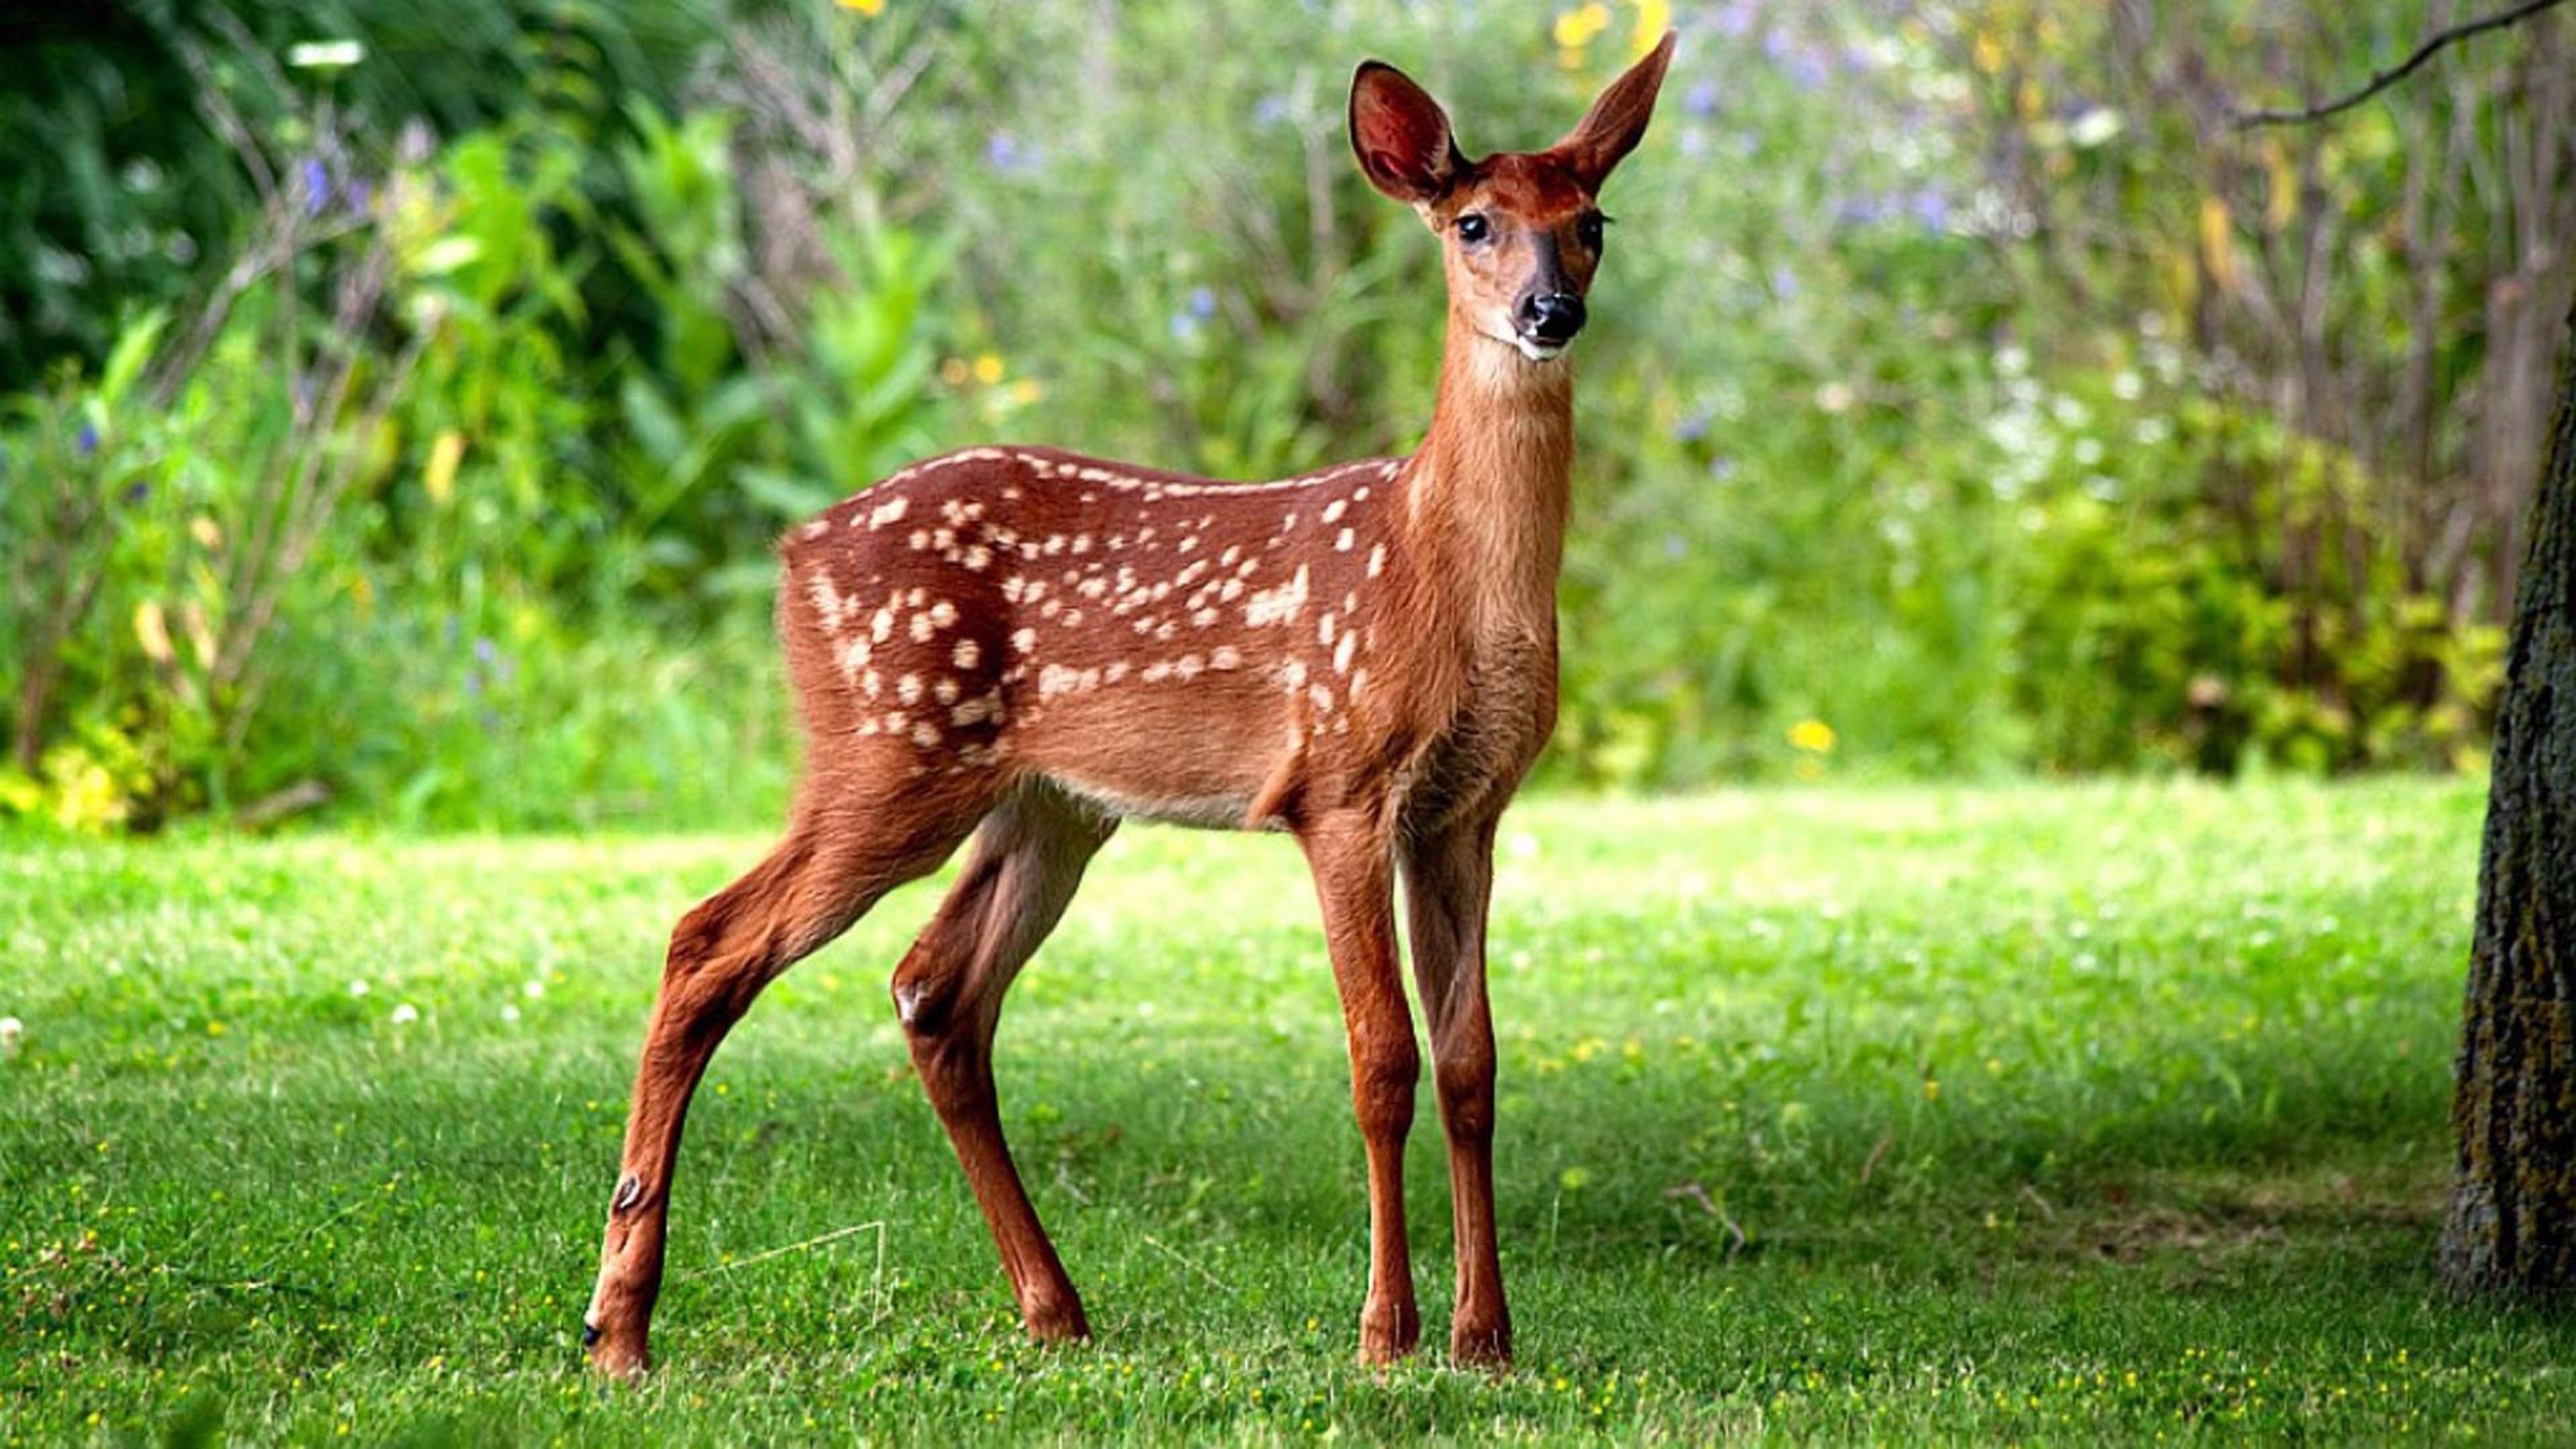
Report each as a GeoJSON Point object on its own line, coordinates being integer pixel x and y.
{"type": "Point", "coordinates": [405, 423]}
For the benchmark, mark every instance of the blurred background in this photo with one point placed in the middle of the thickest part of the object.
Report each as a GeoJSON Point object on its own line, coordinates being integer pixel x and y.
{"type": "Point", "coordinates": [398, 399]}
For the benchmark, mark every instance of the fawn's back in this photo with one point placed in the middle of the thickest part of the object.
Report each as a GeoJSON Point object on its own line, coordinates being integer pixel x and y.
{"type": "Point", "coordinates": [1166, 646]}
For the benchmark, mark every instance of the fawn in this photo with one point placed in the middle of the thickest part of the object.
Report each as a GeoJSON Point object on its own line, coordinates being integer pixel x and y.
{"type": "Point", "coordinates": [1029, 646]}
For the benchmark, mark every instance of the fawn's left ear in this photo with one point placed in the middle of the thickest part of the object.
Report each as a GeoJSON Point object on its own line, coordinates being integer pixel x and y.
{"type": "Point", "coordinates": [1617, 121]}
{"type": "Point", "coordinates": [1401, 135]}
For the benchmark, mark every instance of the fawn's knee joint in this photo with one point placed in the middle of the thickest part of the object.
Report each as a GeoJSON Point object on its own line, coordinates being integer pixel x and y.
{"type": "Point", "coordinates": [1466, 1086]}
{"type": "Point", "coordinates": [1382, 1083]}
{"type": "Point", "coordinates": [925, 993]}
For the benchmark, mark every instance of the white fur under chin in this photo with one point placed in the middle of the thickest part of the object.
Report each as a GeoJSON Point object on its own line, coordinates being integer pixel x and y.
{"type": "Point", "coordinates": [1536, 353]}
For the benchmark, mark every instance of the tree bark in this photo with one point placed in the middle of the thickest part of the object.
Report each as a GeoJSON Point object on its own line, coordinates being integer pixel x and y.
{"type": "Point", "coordinates": [2512, 1225]}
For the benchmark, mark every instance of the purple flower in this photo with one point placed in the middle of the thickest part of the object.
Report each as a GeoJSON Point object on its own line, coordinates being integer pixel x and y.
{"type": "Point", "coordinates": [1272, 110]}
{"type": "Point", "coordinates": [357, 196]}
{"type": "Point", "coordinates": [1702, 99]}
{"type": "Point", "coordinates": [1931, 210]}
{"type": "Point", "coordinates": [1184, 327]}
{"type": "Point", "coordinates": [1004, 153]}
{"type": "Point", "coordinates": [87, 442]}
{"type": "Point", "coordinates": [1675, 545]}
{"type": "Point", "coordinates": [483, 650]}
{"type": "Point", "coordinates": [1808, 69]}
{"type": "Point", "coordinates": [317, 186]}
{"type": "Point", "coordinates": [136, 493]}
{"type": "Point", "coordinates": [1737, 17]}
{"type": "Point", "coordinates": [1202, 303]}
{"type": "Point", "coordinates": [1693, 428]}
{"type": "Point", "coordinates": [1721, 467]}
{"type": "Point", "coordinates": [1784, 284]}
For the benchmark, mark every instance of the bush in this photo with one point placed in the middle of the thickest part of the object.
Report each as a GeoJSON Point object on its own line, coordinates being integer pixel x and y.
{"type": "Point", "coordinates": [446, 486]}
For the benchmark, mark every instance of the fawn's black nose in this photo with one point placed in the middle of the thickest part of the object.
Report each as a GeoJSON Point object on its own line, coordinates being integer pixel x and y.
{"type": "Point", "coordinates": [1551, 319]}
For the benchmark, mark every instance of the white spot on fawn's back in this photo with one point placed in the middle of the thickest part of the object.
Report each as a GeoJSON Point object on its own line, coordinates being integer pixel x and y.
{"type": "Point", "coordinates": [1277, 605]}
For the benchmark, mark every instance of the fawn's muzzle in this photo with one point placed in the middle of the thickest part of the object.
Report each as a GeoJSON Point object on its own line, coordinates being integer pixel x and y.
{"type": "Point", "coordinates": [1550, 319]}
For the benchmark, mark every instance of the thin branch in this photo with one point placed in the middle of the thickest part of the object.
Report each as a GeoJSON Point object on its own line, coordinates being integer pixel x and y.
{"type": "Point", "coordinates": [2382, 81]}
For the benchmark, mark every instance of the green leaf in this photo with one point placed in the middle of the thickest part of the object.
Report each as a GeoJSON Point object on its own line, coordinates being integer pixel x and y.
{"type": "Point", "coordinates": [133, 349]}
{"type": "Point", "coordinates": [783, 494]}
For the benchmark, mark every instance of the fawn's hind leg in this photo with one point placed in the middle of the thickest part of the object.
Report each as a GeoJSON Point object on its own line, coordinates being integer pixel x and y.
{"type": "Point", "coordinates": [1023, 868]}
{"type": "Point", "coordinates": [842, 852]}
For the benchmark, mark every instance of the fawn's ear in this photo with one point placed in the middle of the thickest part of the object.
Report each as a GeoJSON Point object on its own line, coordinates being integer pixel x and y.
{"type": "Point", "coordinates": [1617, 121]}
{"type": "Point", "coordinates": [1401, 135]}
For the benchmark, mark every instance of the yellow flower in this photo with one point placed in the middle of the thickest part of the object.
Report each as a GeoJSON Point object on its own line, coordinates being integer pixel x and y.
{"type": "Point", "coordinates": [1812, 735]}
{"type": "Point", "coordinates": [988, 369]}
{"type": "Point", "coordinates": [1654, 17]}
{"type": "Point", "coordinates": [444, 456]}
{"type": "Point", "coordinates": [152, 631]}
{"type": "Point", "coordinates": [864, 7]}
{"type": "Point", "coordinates": [1575, 28]}
{"type": "Point", "coordinates": [1026, 391]}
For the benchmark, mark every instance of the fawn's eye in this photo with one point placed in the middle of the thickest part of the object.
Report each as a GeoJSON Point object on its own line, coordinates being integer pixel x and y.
{"type": "Point", "coordinates": [1587, 229]}
{"type": "Point", "coordinates": [1473, 228]}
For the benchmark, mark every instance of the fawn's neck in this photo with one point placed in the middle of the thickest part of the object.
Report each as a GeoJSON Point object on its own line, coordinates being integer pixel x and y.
{"type": "Point", "coordinates": [1489, 487]}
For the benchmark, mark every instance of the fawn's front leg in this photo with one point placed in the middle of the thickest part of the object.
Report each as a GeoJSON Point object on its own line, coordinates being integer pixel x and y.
{"type": "Point", "coordinates": [1448, 886]}
{"type": "Point", "coordinates": [1354, 879]}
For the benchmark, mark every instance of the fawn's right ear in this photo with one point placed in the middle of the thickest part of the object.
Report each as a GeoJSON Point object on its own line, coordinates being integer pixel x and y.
{"type": "Point", "coordinates": [1401, 135]}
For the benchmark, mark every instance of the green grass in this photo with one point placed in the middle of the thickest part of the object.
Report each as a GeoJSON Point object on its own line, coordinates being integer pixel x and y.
{"type": "Point", "coordinates": [2037, 1113]}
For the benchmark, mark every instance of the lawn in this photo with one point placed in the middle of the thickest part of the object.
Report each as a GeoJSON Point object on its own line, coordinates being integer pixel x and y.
{"type": "Point", "coordinates": [2035, 1113]}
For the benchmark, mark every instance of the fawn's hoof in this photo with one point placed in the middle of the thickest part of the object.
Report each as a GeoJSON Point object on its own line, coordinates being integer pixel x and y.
{"type": "Point", "coordinates": [613, 1358]}
{"type": "Point", "coordinates": [1388, 1333]}
{"type": "Point", "coordinates": [1056, 1322]}
{"type": "Point", "coordinates": [1481, 1346]}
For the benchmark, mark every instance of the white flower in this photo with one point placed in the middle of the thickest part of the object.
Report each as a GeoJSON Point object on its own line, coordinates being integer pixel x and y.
{"type": "Point", "coordinates": [532, 988]}
{"type": "Point", "coordinates": [406, 1013]}
{"type": "Point", "coordinates": [11, 1028]}
{"type": "Point", "coordinates": [325, 54]}
{"type": "Point", "coordinates": [359, 988]}
{"type": "Point", "coordinates": [509, 1013]}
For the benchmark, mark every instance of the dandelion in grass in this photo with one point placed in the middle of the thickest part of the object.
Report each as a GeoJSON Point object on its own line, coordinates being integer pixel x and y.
{"type": "Point", "coordinates": [406, 1014]}
{"type": "Point", "coordinates": [1813, 736]}
{"type": "Point", "coordinates": [12, 1032]}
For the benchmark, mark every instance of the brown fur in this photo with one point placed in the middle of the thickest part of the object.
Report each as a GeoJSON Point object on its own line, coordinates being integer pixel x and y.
{"type": "Point", "coordinates": [1028, 645]}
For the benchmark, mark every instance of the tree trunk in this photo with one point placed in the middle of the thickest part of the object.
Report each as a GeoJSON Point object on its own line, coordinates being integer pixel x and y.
{"type": "Point", "coordinates": [2512, 1225]}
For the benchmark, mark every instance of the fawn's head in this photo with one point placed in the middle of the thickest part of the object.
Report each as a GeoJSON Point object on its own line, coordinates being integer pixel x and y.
{"type": "Point", "coordinates": [1521, 231]}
